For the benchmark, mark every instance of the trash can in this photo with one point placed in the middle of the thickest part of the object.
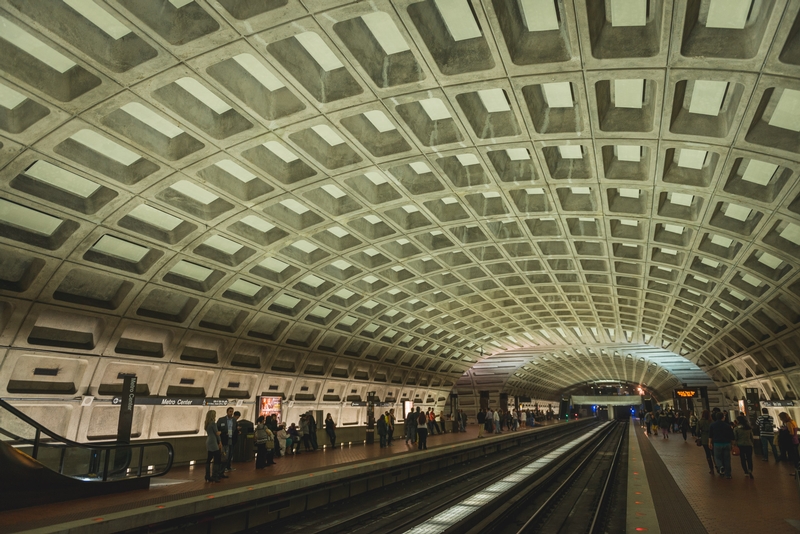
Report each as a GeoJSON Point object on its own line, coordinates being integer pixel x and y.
{"type": "Point", "coordinates": [245, 448]}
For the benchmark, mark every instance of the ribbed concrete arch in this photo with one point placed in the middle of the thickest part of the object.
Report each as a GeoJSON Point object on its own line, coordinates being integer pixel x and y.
{"type": "Point", "coordinates": [318, 198]}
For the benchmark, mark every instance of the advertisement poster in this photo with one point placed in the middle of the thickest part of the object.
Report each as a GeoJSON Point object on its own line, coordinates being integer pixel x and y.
{"type": "Point", "coordinates": [408, 406]}
{"type": "Point", "coordinates": [270, 405]}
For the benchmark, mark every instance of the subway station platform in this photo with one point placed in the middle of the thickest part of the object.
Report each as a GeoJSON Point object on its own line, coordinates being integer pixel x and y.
{"type": "Point", "coordinates": [671, 490]}
{"type": "Point", "coordinates": [184, 492]}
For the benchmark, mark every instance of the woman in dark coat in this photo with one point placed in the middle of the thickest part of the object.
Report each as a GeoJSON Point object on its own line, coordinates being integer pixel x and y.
{"type": "Point", "coordinates": [330, 429]}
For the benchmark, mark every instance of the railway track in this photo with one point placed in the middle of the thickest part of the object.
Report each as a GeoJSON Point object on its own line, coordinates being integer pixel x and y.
{"type": "Point", "coordinates": [399, 507]}
{"type": "Point", "coordinates": [563, 483]}
{"type": "Point", "coordinates": [561, 492]}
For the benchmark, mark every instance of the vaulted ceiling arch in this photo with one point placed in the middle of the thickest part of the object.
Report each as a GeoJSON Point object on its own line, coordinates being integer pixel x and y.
{"type": "Point", "coordinates": [323, 195]}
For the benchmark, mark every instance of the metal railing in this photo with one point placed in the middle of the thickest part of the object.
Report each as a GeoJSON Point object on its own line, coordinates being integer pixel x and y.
{"type": "Point", "coordinates": [89, 462]}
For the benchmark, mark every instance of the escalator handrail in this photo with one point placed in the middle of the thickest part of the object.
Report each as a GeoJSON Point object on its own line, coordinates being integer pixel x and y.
{"type": "Point", "coordinates": [102, 446]}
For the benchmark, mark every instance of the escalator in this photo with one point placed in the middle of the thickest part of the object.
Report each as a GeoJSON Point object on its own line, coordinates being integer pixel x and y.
{"type": "Point", "coordinates": [38, 466]}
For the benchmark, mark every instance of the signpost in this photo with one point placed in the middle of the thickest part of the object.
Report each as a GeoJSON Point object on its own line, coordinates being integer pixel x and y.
{"type": "Point", "coordinates": [126, 403]}
{"type": "Point", "coordinates": [370, 418]}
{"type": "Point", "coordinates": [122, 457]}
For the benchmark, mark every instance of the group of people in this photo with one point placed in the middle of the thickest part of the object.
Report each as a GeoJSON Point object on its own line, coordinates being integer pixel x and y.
{"type": "Point", "coordinates": [668, 422]}
{"type": "Point", "coordinates": [273, 439]}
{"type": "Point", "coordinates": [720, 437]}
{"type": "Point", "coordinates": [419, 425]}
{"type": "Point", "coordinates": [494, 421]}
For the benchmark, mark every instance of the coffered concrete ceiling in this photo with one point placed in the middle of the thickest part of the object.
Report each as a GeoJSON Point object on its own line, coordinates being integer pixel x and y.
{"type": "Point", "coordinates": [317, 197]}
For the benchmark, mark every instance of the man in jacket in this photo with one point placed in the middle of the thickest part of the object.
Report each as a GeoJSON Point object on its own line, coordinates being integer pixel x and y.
{"type": "Point", "coordinates": [312, 429]}
{"type": "Point", "coordinates": [766, 426]}
{"type": "Point", "coordinates": [411, 426]}
{"type": "Point", "coordinates": [720, 436]}
{"type": "Point", "coordinates": [382, 428]}
{"type": "Point", "coordinates": [481, 422]}
{"type": "Point", "coordinates": [391, 421]}
{"type": "Point", "coordinates": [229, 433]}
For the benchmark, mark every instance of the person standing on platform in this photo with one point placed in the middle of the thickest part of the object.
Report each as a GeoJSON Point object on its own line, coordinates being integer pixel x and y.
{"type": "Point", "coordinates": [305, 432]}
{"type": "Point", "coordinates": [272, 424]}
{"type": "Point", "coordinates": [214, 448]}
{"type": "Point", "coordinates": [330, 429]}
{"type": "Point", "coordinates": [789, 429]}
{"type": "Point", "coordinates": [229, 431]}
{"type": "Point", "coordinates": [294, 436]}
{"type": "Point", "coordinates": [411, 426]}
{"type": "Point", "coordinates": [390, 436]}
{"type": "Point", "coordinates": [683, 424]}
{"type": "Point", "coordinates": [284, 440]}
{"type": "Point", "coordinates": [462, 420]}
{"type": "Point", "coordinates": [481, 422]}
{"type": "Point", "coordinates": [312, 430]}
{"type": "Point", "coordinates": [648, 423]}
{"type": "Point", "coordinates": [665, 422]}
{"type": "Point", "coordinates": [265, 442]}
{"type": "Point", "coordinates": [766, 426]}
{"type": "Point", "coordinates": [380, 425]}
{"type": "Point", "coordinates": [439, 429]}
{"type": "Point", "coordinates": [702, 430]}
{"type": "Point", "coordinates": [720, 436]}
{"type": "Point", "coordinates": [496, 421]}
{"type": "Point", "coordinates": [743, 437]}
{"type": "Point", "coordinates": [422, 431]}
{"type": "Point", "coordinates": [693, 424]}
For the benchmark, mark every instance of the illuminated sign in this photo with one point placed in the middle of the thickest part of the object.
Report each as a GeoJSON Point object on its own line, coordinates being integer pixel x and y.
{"type": "Point", "coordinates": [767, 404]}
{"type": "Point", "coordinates": [173, 401]}
{"type": "Point", "coordinates": [685, 392]}
{"type": "Point", "coordinates": [267, 406]}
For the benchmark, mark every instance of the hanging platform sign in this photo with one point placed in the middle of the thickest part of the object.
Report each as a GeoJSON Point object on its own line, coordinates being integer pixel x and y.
{"type": "Point", "coordinates": [777, 404]}
{"type": "Point", "coordinates": [174, 401]}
